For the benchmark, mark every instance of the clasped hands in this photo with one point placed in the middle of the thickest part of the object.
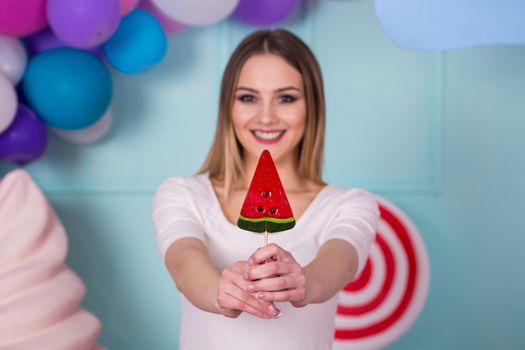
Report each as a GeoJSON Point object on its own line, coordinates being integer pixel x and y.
{"type": "Point", "coordinates": [270, 274]}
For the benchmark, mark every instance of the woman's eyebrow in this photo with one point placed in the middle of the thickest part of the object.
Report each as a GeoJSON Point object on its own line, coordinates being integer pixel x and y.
{"type": "Point", "coordinates": [246, 88]}
{"type": "Point", "coordinates": [278, 90]}
{"type": "Point", "coordinates": [288, 88]}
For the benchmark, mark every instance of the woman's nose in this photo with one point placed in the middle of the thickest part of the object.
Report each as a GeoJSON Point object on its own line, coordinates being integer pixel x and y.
{"type": "Point", "coordinates": [267, 114]}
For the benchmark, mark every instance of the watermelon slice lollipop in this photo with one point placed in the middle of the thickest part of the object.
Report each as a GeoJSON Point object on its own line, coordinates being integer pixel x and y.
{"type": "Point", "coordinates": [266, 208]}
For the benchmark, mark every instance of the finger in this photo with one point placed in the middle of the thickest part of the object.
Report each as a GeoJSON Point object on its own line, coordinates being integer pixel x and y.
{"type": "Point", "coordinates": [233, 306]}
{"type": "Point", "coordinates": [234, 283]}
{"type": "Point", "coordinates": [297, 295]}
{"type": "Point", "coordinates": [238, 268]}
{"type": "Point", "coordinates": [270, 269]}
{"type": "Point", "coordinates": [249, 298]}
{"type": "Point", "coordinates": [241, 300]}
{"type": "Point", "coordinates": [231, 313]}
{"type": "Point", "coordinates": [273, 284]}
{"type": "Point", "coordinates": [236, 304]}
{"type": "Point", "coordinates": [267, 252]}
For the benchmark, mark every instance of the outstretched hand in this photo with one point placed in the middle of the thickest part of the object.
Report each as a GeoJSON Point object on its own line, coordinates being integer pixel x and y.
{"type": "Point", "coordinates": [274, 275]}
{"type": "Point", "coordinates": [233, 298]}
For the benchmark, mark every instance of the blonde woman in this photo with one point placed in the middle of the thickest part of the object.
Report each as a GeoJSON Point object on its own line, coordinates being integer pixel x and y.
{"type": "Point", "coordinates": [235, 293]}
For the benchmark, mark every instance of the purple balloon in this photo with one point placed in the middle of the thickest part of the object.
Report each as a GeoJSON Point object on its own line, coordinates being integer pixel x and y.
{"type": "Point", "coordinates": [20, 94]}
{"type": "Point", "coordinates": [83, 23]}
{"type": "Point", "coordinates": [25, 140]}
{"type": "Point", "coordinates": [264, 12]}
{"type": "Point", "coordinates": [46, 40]}
{"type": "Point", "coordinates": [42, 41]}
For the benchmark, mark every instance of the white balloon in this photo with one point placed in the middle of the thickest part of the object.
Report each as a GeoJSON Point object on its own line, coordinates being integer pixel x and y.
{"type": "Point", "coordinates": [197, 12]}
{"type": "Point", "coordinates": [90, 134]}
{"type": "Point", "coordinates": [13, 58]}
{"type": "Point", "coordinates": [8, 102]}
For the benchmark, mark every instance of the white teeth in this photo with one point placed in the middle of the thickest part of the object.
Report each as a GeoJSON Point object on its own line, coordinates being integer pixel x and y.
{"type": "Point", "coordinates": [268, 135]}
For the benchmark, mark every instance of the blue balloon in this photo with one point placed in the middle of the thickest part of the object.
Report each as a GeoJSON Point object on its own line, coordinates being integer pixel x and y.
{"type": "Point", "coordinates": [68, 88]}
{"type": "Point", "coordinates": [439, 25]}
{"type": "Point", "coordinates": [138, 44]}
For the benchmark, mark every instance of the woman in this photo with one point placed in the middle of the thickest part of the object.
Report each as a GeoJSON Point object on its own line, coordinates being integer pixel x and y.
{"type": "Point", "coordinates": [236, 294]}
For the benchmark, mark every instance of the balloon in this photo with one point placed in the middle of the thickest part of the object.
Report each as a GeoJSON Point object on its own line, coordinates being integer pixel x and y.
{"type": "Point", "coordinates": [13, 58]}
{"type": "Point", "coordinates": [26, 138]}
{"type": "Point", "coordinates": [264, 12]}
{"type": "Point", "coordinates": [90, 134]}
{"type": "Point", "coordinates": [126, 6]}
{"type": "Point", "coordinates": [42, 41]}
{"type": "Point", "coordinates": [45, 40]}
{"type": "Point", "coordinates": [197, 12]}
{"type": "Point", "coordinates": [170, 26]}
{"type": "Point", "coordinates": [138, 44]}
{"type": "Point", "coordinates": [83, 23]}
{"type": "Point", "coordinates": [8, 103]}
{"type": "Point", "coordinates": [19, 18]}
{"type": "Point", "coordinates": [20, 94]}
{"type": "Point", "coordinates": [68, 88]}
{"type": "Point", "coordinates": [441, 25]}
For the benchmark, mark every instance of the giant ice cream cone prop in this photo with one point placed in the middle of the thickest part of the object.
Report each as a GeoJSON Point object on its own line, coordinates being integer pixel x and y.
{"type": "Point", "coordinates": [39, 296]}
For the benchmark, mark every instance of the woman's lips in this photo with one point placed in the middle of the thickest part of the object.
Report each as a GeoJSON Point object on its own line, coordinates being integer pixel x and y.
{"type": "Point", "coordinates": [268, 137]}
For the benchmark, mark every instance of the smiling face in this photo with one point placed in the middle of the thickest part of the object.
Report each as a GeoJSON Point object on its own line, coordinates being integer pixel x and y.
{"type": "Point", "coordinates": [269, 108]}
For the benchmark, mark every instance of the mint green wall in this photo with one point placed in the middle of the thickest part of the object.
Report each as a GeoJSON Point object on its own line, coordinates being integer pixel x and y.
{"type": "Point", "coordinates": [439, 134]}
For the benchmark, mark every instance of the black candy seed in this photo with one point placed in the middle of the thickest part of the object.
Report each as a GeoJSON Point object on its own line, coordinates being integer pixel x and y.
{"type": "Point", "coordinates": [265, 194]}
{"type": "Point", "coordinates": [260, 209]}
{"type": "Point", "coordinates": [273, 210]}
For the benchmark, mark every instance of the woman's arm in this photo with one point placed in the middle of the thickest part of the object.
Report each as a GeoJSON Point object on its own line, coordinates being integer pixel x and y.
{"type": "Point", "coordinates": [346, 242]}
{"type": "Point", "coordinates": [196, 277]}
{"type": "Point", "coordinates": [283, 279]}
{"type": "Point", "coordinates": [334, 266]}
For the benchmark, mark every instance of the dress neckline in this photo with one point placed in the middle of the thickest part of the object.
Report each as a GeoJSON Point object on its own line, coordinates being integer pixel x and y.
{"type": "Point", "coordinates": [305, 214]}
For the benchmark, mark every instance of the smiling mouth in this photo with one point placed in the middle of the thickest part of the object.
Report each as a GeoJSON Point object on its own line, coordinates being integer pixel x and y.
{"type": "Point", "coordinates": [268, 137]}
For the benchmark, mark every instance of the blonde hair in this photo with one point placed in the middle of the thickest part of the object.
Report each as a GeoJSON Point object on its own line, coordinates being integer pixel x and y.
{"type": "Point", "coordinates": [224, 162]}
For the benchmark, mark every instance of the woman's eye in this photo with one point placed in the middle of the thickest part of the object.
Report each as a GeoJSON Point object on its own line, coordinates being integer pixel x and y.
{"type": "Point", "coordinates": [246, 98]}
{"type": "Point", "coordinates": [287, 98]}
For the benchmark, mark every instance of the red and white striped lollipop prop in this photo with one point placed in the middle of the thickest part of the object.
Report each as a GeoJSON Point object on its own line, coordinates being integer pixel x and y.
{"type": "Point", "coordinates": [383, 302]}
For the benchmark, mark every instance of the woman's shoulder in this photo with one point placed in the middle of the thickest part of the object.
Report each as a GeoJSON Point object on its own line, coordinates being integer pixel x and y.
{"type": "Point", "coordinates": [196, 184]}
{"type": "Point", "coordinates": [340, 195]}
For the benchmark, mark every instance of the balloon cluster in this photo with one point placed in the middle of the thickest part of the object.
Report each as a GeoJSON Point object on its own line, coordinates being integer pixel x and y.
{"type": "Point", "coordinates": [54, 57]}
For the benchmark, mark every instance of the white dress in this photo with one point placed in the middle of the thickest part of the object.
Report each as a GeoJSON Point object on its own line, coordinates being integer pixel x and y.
{"type": "Point", "coordinates": [188, 207]}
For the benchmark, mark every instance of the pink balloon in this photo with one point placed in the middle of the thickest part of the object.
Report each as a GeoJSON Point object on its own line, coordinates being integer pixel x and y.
{"type": "Point", "coordinates": [89, 134]}
{"type": "Point", "coordinates": [127, 5]}
{"type": "Point", "coordinates": [20, 18]}
{"type": "Point", "coordinates": [170, 26]}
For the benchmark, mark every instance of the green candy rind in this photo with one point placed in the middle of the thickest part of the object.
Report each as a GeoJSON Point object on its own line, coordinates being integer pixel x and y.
{"type": "Point", "coordinates": [269, 225]}
{"type": "Point", "coordinates": [266, 219]}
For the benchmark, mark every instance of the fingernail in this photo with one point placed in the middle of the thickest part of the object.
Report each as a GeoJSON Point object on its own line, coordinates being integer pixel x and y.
{"type": "Point", "coordinates": [250, 287]}
{"type": "Point", "coordinates": [272, 310]}
{"type": "Point", "coordinates": [259, 296]}
{"type": "Point", "coordinates": [250, 262]}
{"type": "Point", "coordinates": [278, 314]}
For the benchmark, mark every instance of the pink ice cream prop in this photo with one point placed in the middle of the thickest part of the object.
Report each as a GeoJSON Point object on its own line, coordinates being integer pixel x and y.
{"type": "Point", "coordinates": [39, 295]}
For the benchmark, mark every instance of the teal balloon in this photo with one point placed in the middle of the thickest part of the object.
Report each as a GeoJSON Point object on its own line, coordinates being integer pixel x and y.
{"type": "Point", "coordinates": [68, 88]}
{"type": "Point", "coordinates": [138, 44]}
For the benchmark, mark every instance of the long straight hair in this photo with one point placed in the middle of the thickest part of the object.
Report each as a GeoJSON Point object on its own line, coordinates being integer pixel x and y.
{"type": "Point", "coordinates": [224, 162]}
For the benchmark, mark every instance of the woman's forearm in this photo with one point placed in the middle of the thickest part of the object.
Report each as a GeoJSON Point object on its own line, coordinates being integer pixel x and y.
{"type": "Point", "coordinates": [194, 274]}
{"type": "Point", "coordinates": [334, 266]}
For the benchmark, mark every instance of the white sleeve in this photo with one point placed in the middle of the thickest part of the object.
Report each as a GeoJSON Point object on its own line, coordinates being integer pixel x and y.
{"type": "Point", "coordinates": [174, 214]}
{"type": "Point", "coordinates": [355, 221]}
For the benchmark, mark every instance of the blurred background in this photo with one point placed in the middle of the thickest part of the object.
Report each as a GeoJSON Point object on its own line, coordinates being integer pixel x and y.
{"type": "Point", "coordinates": [437, 132]}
